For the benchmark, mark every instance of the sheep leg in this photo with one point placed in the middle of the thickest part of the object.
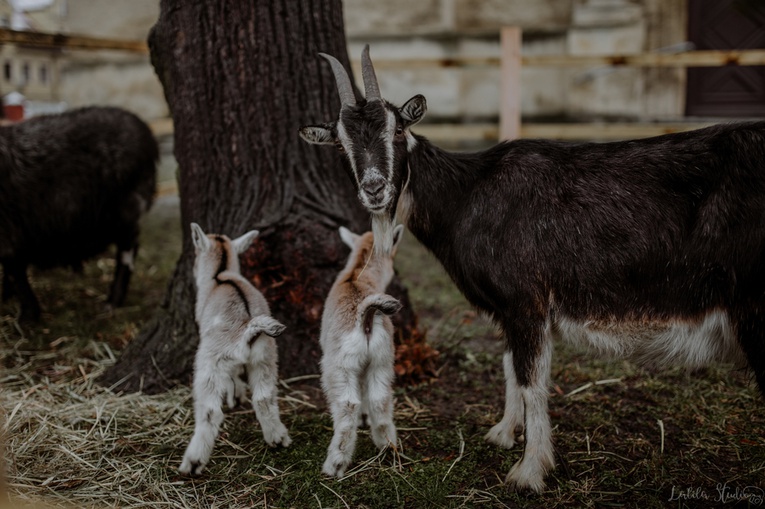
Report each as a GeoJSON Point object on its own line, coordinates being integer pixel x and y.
{"type": "Point", "coordinates": [123, 270]}
{"type": "Point", "coordinates": [9, 290]}
{"type": "Point", "coordinates": [342, 391]}
{"type": "Point", "coordinates": [15, 282]}
{"type": "Point", "coordinates": [209, 391]}
{"type": "Point", "coordinates": [379, 398]}
{"type": "Point", "coordinates": [503, 433]}
{"type": "Point", "coordinates": [532, 366]}
{"type": "Point", "coordinates": [262, 372]}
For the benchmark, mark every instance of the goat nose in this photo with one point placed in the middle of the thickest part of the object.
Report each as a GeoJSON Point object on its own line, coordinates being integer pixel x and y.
{"type": "Point", "coordinates": [373, 188]}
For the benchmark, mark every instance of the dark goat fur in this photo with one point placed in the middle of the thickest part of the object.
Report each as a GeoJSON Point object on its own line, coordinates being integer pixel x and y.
{"type": "Point", "coordinates": [70, 185]}
{"type": "Point", "coordinates": [645, 230]}
{"type": "Point", "coordinates": [652, 249]}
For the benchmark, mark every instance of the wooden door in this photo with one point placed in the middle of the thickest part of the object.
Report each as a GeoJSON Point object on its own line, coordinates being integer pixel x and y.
{"type": "Point", "coordinates": [730, 91]}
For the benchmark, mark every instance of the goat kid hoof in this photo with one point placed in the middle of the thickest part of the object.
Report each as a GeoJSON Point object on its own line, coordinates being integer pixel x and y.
{"type": "Point", "coordinates": [333, 469]}
{"type": "Point", "coordinates": [191, 468]}
{"type": "Point", "coordinates": [280, 438]}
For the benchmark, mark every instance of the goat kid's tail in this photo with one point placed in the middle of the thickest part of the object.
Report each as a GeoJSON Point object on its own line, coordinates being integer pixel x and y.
{"type": "Point", "coordinates": [263, 324]}
{"type": "Point", "coordinates": [381, 302]}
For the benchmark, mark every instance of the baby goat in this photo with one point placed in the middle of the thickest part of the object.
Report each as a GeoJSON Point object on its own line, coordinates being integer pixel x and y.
{"type": "Point", "coordinates": [653, 249]}
{"type": "Point", "coordinates": [357, 348]}
{"type": "Point", "coordinates": [236, 333]}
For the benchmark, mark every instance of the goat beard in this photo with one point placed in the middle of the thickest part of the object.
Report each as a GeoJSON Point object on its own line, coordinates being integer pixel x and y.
{"type": "Point", "coordinates": [383, 225]}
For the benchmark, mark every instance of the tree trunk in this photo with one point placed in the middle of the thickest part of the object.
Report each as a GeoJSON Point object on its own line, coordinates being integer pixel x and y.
{"type": "Point", "coordinates": [240, 78]}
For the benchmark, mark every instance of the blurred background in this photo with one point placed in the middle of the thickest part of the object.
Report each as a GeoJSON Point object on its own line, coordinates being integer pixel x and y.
{"type": "Point", "coordinates": [449, 50]}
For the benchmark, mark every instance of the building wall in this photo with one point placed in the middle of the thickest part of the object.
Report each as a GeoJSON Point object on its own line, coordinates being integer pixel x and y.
{"type": "Point", "coordinates": [455, 28]}
{"type": "Point", "coordinates": [112, 77]}
{"type": "Point", "coordinates": [438, 29]}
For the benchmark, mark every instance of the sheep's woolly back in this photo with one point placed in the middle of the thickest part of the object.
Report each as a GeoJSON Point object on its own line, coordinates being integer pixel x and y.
{"type": "Point", "coordinates": [73, 183]}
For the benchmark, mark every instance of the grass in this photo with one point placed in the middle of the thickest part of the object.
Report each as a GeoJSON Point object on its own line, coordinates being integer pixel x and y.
{"type": "Point", "coordinates": [624, 437]}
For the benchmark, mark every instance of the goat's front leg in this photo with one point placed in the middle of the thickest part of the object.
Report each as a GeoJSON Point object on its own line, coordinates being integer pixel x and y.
{"type": "Point", "coordinates": [236, 389]}
{"type": "Point", "coordinates": [503, 433]}
{"type": "Point", "coordinates": [341, 388]}
{"type": "Point", "coordinates": [263, 373]}
{"type": "Point", "coordinates": [532, 367]}
{"type": "Point", "coordinates": [209, 391]}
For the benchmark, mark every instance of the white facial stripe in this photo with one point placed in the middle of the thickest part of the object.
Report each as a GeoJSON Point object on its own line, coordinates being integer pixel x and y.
{"type": "Point", "coordinates": [387, 136]}
{"type": "Point", "coordinates": [345, 141]}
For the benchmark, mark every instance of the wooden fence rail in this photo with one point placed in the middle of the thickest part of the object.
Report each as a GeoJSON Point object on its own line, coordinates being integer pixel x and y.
{"type": "Point", "coordinates": [510, 62]}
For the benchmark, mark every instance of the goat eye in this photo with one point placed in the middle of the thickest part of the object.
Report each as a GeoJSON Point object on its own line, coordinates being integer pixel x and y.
{"type": "Point", "coordinates": [399, 130]}
{"type": "Point", "coordinates": [339, 146]}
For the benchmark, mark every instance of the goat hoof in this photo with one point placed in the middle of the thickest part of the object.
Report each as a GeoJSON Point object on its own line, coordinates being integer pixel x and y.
{"type": "Point", "coordinates": [333, 469]}
{"type": "Point", "coordinates": [502, 436]}
{"type": "Point", "coordinates": [191, 467]}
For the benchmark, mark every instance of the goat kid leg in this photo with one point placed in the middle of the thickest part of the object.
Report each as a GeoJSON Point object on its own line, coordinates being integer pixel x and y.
{"type": "Point", "coordinates": [209, 390]}
{"type": "Point", "coordinates": [503, 433]}
{"type": "Point", "coordinates": [263, 373]}
{"type": "Point", "coordinates": [236, 389]}
{"type": "Point", "coordinates": [379, 397]}
{"type": "Point", "coordinates": [538, 456]}
{"type": "Point", "coordinates": [342, 392]}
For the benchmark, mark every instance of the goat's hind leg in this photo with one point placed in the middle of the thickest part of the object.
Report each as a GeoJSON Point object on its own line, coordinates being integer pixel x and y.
{"type": "Point", "coordinates": [209, 392]}
{"type": "Point", "coordinates": [379, 404]}
{"type": "Point", "coordinates": [503, 433]}
{"type": "Point", "coordinates": [263, 377]}
{"type": "Point", "coordinates": [342, 390]}
{"type": "Point", "coordinates": [750, 328]}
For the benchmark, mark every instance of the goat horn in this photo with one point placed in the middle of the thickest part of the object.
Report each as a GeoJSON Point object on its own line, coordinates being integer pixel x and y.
{"type": "Point", "coordinates": [344, 87]}
{"type": "Point", "coordinates": [371, 88]}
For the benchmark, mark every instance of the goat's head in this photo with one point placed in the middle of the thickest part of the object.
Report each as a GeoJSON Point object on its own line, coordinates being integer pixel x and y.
{"type": "Point", "coordinates": [216, 253]}
{"type": "Point", "coordinates": [373, 135]}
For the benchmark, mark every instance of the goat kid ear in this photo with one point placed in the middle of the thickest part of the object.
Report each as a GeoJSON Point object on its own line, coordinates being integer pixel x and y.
{"type": "Point", "coordinates": [198, 237]}
{"type": "Point", "coordinates": [242, 243]}
{"type": "Point", "coordinates": [413, 110]}
{"type": "Point", "coordinates": [318, 134]}
{"type": "Point", "coordinates": [348, 237]}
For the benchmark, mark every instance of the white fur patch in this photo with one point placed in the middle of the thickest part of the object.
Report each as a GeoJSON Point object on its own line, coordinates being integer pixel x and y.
{"type": "Point", "coordinates": [128, 259]}
{"type": "Point", "coordinates": [690, 342]}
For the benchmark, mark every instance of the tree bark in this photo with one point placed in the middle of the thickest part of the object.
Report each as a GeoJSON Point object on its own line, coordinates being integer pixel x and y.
{"type": "Point", "coordinates": [240, 78]}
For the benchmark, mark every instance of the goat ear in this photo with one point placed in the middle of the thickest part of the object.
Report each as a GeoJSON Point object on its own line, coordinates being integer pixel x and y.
{"type": "Point", "coordinates": [198, 237]}
{"type": "Point", "coordinates": [318, 134]}
{"type": "Point", "coordinates": [242, 243]}
{"type": "Point", "coordinates": [398, 234]}
{"type": "Point", "coordinates": [413, 110]}
{"type": "Point", "coordinates": [349, 238]}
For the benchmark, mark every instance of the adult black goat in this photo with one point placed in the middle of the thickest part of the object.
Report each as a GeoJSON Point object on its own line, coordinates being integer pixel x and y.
{"type": "Point", "coordinates": [70, 185]}
{"type": "Point", "coordinates": [653, 249]}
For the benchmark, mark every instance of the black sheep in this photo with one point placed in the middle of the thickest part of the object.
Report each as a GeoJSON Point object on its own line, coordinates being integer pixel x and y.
{"type": "Point", "coordinates": [70, 185]}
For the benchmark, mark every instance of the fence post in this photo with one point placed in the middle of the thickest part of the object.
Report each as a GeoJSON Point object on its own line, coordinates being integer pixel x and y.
{"type": "Point", "coordinates": [510, 84]}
